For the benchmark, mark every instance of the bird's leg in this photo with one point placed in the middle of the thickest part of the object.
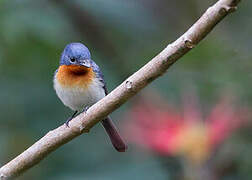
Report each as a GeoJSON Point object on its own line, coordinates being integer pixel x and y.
{"type": "Point", "coordinates": [70, 118]}
{"type": "Point", "coordinates": [75, 112]}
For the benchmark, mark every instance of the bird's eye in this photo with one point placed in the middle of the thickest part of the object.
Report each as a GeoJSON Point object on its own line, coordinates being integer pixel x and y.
{"type": "Point", "coordinates": [72, 59]}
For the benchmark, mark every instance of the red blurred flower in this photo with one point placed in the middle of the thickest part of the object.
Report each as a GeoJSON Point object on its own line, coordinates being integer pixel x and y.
{"type": "Point", "coordinates": [161, 128]}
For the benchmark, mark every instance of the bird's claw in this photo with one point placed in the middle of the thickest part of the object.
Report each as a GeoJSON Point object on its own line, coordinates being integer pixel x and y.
{"type": "Point", "coordinates": [67, 122]}
{"type": "Point", "coordinates": [70, 118]}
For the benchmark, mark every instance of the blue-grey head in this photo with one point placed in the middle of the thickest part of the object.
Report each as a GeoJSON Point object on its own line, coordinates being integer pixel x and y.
{"type": "Point", "coordinates": [76, 54]}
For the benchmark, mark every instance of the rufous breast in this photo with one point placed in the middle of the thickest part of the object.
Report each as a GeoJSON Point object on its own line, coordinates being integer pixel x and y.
{"type": "Point", "coordinates": [69, 76]}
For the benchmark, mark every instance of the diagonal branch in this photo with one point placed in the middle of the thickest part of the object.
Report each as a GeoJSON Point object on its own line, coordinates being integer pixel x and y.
{"type": "Point", "coordinates": [153, 69]}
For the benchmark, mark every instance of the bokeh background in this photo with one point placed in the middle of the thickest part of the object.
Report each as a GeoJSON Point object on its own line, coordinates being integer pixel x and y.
{"type": "Point", "coordinates": [122, 36]}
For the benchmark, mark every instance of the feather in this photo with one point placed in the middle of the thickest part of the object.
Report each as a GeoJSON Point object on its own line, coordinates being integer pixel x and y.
{"type": "Point", "coordinates": [75, 76]}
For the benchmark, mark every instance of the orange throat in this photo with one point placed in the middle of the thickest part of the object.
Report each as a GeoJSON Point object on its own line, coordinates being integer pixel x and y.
{"type": "Point", "coordinates": [75, 76]}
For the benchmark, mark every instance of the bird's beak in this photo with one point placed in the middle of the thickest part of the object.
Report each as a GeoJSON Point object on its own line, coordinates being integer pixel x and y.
{"type": "Point", "coordinates": [85, 62]}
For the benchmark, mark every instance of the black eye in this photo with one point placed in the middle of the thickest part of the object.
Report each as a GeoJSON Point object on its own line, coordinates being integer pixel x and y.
{"type": "Point", "coordinates": [72, 59]}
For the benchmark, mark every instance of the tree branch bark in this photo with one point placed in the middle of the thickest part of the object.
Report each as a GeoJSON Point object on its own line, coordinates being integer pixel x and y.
{"type": "Point", "coordinates": [153, 69]}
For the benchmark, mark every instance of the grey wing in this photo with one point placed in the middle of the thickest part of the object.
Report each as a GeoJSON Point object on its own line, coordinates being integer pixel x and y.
{"type": "Point", "coordinates": [99, 75]}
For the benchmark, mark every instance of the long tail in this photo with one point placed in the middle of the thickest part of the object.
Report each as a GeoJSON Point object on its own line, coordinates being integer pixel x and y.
{"type": "Point", "coordinates": [113, 134]}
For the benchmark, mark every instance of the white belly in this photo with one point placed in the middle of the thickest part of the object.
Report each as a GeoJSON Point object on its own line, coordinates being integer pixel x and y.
{"type": "Point", "coordinates": [77, 98]}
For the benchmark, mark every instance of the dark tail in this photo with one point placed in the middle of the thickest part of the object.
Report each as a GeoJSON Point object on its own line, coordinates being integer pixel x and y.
{"type": "Point", "coordinates": [113, 134]}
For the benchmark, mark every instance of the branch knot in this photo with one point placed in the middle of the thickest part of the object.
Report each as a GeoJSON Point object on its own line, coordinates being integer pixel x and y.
{"type": "Point", "coordinates": [129, 84]}
{"type": "Point", "coordinates": [189, 44]}
{"type": "Point", "coordinates": [227, 9]}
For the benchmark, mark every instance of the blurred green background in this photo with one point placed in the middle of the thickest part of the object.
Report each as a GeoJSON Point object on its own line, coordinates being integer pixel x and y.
{"type": "Point", "coordinates": [122, 36]}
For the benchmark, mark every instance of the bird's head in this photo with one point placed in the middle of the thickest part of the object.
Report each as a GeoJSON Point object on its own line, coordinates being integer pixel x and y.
{"type": "Point", "coordinates": [76, 54]}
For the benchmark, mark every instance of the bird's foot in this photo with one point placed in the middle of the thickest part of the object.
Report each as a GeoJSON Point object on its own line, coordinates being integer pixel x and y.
{"type": "Point", "coordinates": [67, 122]}
{"type": "Point", "coordinates": [70, 118]}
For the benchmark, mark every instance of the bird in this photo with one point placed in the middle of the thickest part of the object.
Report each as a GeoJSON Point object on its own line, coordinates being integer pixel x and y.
{"type": "Point", "coordinates": [79, 83]}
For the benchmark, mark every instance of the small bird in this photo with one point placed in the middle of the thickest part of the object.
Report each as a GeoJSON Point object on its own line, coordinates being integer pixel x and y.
{"type": "Point", "coordinates": [79, 83]}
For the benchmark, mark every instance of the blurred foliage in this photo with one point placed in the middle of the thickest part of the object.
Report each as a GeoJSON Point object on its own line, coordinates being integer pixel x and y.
{"type": "Point", "coordinates": [122, 36]}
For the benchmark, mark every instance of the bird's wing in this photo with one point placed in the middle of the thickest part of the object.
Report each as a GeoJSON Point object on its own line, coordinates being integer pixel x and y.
{"type": "Point", "coordinates": [99, 75]}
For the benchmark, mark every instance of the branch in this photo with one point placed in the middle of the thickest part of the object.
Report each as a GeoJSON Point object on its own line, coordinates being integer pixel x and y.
{"type": "Point", "coordinates": [153, 69]}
